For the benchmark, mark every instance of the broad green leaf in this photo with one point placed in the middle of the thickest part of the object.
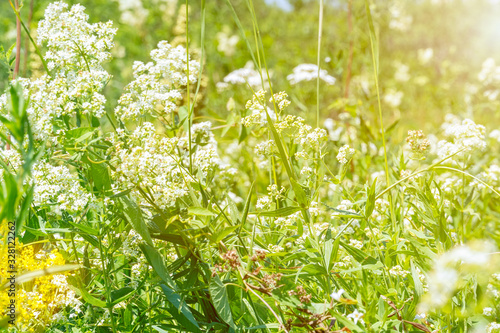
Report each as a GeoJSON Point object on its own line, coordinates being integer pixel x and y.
{"type": "Point", "coordinates": [134, 216]}
{"type": "Point", "coordinates": [419, 290]}
{"type": "Point", "coordinates": [100, 176]}
{"type": "Point", "coordinates": [122, 294]}
{"type": "Point", "coordinates": [359, 255]}
{"type": "Point", "coordinates": [220, 300]}
{"type": "Point", "coordinates": [280, 212]}
{"type": "Point", "coordinates": [85, 228]}
{"type": "Point", "coordinates": [220, 235]}
{"type": "Point", "coordinates": [77, 133]}
{"type": "Point", "coordinates": [180, 310]}
{"type": "Point", "coordinates": [370, 201]}
{"type": "Point", "coordinates": [200, 211]}
{"type": "Point", "coordinates": [155, 260]}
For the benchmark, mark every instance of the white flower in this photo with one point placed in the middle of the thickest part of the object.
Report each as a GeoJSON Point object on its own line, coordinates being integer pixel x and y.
{"type": "Point", "coordinates": [336, 295]}
{"type": "Point", "coordinates": [425, 55]}
{"type": "Point", "coordinates": [465, 137]}
{"type": "Point", "coordinates": [226, 41]}
{"type": "Point", "coordinates": [345, 154]}
{"type": "Point", "coordinates": [308, 72]}
{"type": "Point", "coordinates": [488, 312]}
{"type": "Point", "coordinates": [154, 89]}
{"type": "Point", "coordinates": [356, 316]}
{"type": "Point", "coordinates": [493, 327]}
{"type": "Point", "coordinates": [247, 75]}
{"type": "Point", "coordinates": [422, 315]}
{"type": "Point", "coordinates": [393, 98]}
{"type": "Point", "coordinates": [72, 40]}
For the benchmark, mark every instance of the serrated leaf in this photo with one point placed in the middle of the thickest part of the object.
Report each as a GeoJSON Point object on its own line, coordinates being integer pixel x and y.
{"type": "Point", "coordinates": [220, 300]}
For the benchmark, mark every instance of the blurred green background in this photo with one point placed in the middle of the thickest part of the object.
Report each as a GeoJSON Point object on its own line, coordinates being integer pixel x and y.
{"type": "Point", "coordinates": [431, 52]}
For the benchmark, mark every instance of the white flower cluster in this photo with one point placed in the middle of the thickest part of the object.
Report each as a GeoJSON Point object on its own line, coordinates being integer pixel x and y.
{"type": "Point", "coordinates": [309, 72]}
{"type": "Point", "coordinates": [132, 12]}
{"type": "Point", "coordinates": [65, 94]}
{"type": "Point", "coordinates": [226, 41]}
{"type": "Point", "coordinates": [345, 154]}
{"type": "Point", "coordinates": [12, 159]}
{"type": "Point", "coordinates": [465, 137]}
{"type": "Point", "coordinates": [72, 41]}
{"type": "Point", "coordinates": [425, 55]}
{"type": "Point", "coordinates": [393, 98]}
{"type": "Point", "coordinates": [489, 76]}
{"type": "Point", "coordinates": [149, 160]}
{"type": "Point", "coordinates": [159, 164]}
{"type": "Point", "coordinates": [246, 75]}
{"type": "Point", "coordinates": [490, 72]}
{"type": "Point", "coordinates": [490, 176]}
{"type": "Point", "coordinates": [155, 88]}
{"type": "Point", "coordinates": [257, 106]}
{"type": "Point", "coordinates": [454, 265]}
{"type": "Point", "coordinates": [76, 50]}
{"type": "Point", "coordinates": [493, 327]}
{"type": "Point", "coordinates": [399, 20]}
{"type": "Point", "coordinates": [57, 187]}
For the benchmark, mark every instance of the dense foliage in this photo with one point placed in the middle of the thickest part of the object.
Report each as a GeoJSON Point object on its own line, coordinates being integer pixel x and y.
{"type": "Point", "coordinates": [250, 173]}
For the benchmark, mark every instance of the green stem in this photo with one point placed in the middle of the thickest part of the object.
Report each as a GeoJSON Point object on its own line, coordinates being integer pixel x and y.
{"type": "Point", "coordinates": [320, 30]}
{"type": "Point", "coordinates": [29, 36]}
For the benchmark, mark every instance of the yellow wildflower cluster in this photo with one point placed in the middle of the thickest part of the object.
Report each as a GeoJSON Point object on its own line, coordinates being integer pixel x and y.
{"type": "Point", "coordinates": [40, 301]}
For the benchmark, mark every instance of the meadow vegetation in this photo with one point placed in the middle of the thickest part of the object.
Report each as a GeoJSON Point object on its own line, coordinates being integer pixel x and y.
{"type": "Point", "coordinates": [234, 166]}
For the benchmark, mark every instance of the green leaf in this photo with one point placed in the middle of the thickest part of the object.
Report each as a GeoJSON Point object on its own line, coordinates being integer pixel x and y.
{"type": "Point", "coordinates": [285, 211]}
{"type": "Point", "coordinates": [24, 211]}
{"type": "Point", "coordinates": [300, 194]}
{"type": "Point", "coordinates": [133, 214]}
{"type": "Point", "coordinates": [359, 255]}
{"type": "Point", "coordinates": [262, 326]}
{"type": "Point", "coordinates": [370, 202]}
{"type": "Point", "coordinates": [122, 294]}
{"type": "Point", "coordinates": [220, 235]}
{"type": "Point", "coordinates": [200, 211]}
{"type": "Point", "coordinates": [77, 133]}
{"type": "Point", "coordinates": [419, 290]}
{"type": "Point", "coordinates": [84, 228]}
{"type": "Point", "coordinates": [373, 37]}
{"type": "Point", "coordinates": [220, 300]}
{"type": "Point", "coordinates": [29, 276]}
{"type": "Point", "coordinates": [180, 310]}
{"type": "Point", "coordinates": [100, 175]}
{"type": "Point", "coordinates": [244, 215]}
{"type": "Point", "coordinates": [155, 260]}
{"type": "Point", "coordinates": [345, 213]}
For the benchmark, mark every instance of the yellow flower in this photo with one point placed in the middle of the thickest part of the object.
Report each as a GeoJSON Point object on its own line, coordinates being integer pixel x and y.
{"type": "Point", "coordinates": [39, 301]}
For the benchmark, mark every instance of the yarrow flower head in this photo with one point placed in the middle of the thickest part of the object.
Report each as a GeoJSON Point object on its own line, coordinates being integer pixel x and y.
{"type": "Point", "coordinates": [72, 41]}
{"type": "Point", "coordinates": [345, 154]}
{"type": "Point", "coordinates": [309, 72]}
{"type": "Point", "coordinates": [245, 76]}
{"type": "Point", "coordinates": [417, 142]}
{"type": "Point", "coordinates": [465, 137]}
{"type": "Point", "coordinates": [258, 108]}
{"type": "Point", "coordinates": [155, 88]}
